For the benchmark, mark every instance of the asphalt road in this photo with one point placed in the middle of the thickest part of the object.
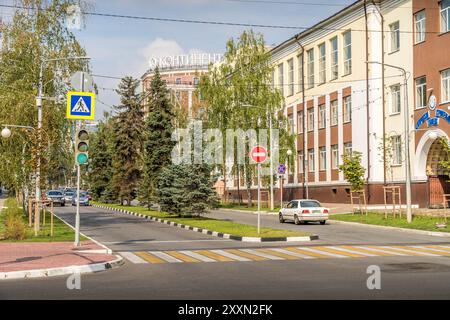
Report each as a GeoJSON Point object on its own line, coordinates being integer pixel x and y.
{"type": "Point", "coordinates": [401, 277]}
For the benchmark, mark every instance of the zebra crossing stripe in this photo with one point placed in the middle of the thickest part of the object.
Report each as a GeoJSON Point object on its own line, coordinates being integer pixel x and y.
{"type": "Point", "coordinates": [292, 253]}
{"type": "Point", "coordinates": [285, 256]}
{"type": "Point", "coordinates": [230, 255]}
{"type": "Point", "coordinates": [149, 257]}
{"type": "Point", "coordinates": [384, 251]}
{"type": "Point", "coordinates": [166, 257]}
{"type": "Point", "coordinates": [367, 251]}
{"type": "Point", "coordinates": [197, 256]}
{"type": "Point", "coordinates": [182, 257]}
{"type": "Point", "coordinates": [324, 253]}
{"type": "Point", "coordinates": [213, 255]}
{"type": "Point", "coordinates": [244, 254]}
{"type": "Point", "coordinates": [446, 248]}
{"type": "Point", "coordinates": [434, 251]}
{"type": "Point", "coordinates": [413, 252]}
{"type": "Point", "coordinates": [132, 257]}
{"type": "Point", "coordinates": [306, 253]}
{"type": "Point", "coordinates": [339, 252]}
{"type": "Point", "coordinates": [262, 254]}
{"type": "Point", "coordinates": [361, 253]}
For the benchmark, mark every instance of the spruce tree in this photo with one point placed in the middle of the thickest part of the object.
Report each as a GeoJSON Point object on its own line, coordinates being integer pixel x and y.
{"type": "Point", "coordinates": [127, 141]}
{"type": "Point", "coordinates": [158, 142]}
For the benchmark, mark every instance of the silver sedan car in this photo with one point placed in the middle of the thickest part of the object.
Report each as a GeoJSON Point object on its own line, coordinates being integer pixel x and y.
{"type": "Point", "coordinates": [303, 211]}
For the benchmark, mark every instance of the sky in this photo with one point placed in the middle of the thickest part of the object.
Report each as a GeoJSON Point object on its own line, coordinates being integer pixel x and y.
{"type": "Point", "coordinates": [120, 47]}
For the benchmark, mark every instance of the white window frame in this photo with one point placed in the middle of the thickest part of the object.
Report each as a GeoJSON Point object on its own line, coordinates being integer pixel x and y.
{"type": "Point", "coordinates": [322, 63]}
{"type": "Point", "coordinates": [421, 92]}
{"type": "Point", "coordinates": [300, 121]}
{"type": "Point", "coordinates": [420, 19]}
{"type": "Point", "coordinates": [322, 159]}
{"type": "Point", "coordinates": [397, 158]}
{"type": "Point", "coordinates": [291, 124]}
{"type": "Point", "coordinates": [300, 162]}
{"type": "Point", "coordinates": [281, 77]}
{"type": "Point", "coordinates": [335, 157]}
{"type": "Point", "coordinates": [310, 120]}
{"type": "Point", "coordinates": [290, 77]}
{"type": "Point", "coordinates": [347, 52]}
{"type": "Point", "coordinates": [322, 116]}
{"type": "Point", "coordinates": [348, 148]}
{"type": "Point", "coordinates": [334, 112]}
{"type": "Point", "coordinates": [311, 160]}
{"type": "Point", "coordinates": [334, 58]}
{"type": "Point", "coordinates": [347, 116]}
{"type": "Point", "coordinates": [395, 36]}
{"type": "Point", "coordinates": [310, 55]}
{"type": "Point", "coordinates": [300, 72]}
{"type": "Point", "coordinates": [445, 86]}
{"type": "Point", "coordinates": [445, 16]}
{"type": "Point", "coordinates": [396, 101]}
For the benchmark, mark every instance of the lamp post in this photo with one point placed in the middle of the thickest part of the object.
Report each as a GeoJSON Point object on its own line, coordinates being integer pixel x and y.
{"type": "Point", "coordinates": [407, 155]}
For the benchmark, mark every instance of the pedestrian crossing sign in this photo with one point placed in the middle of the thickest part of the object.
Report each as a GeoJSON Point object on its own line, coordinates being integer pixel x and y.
{"type": "Point", "coordinates": [80, 105]}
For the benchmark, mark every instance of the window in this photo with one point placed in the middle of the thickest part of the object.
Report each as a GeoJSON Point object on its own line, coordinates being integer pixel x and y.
{"type": "Point", "coordinates": [311, 159]}
{"type": "Point", "coordinates": [196, 81]}
{"type": "Point", "coordinates": [348, 148]}
{"type": "Point", "coordinates": [445, 15]}
{"type": "Point", "coordinates": [322, 63]}
{"type": "Point", "coordinates": [445, 76]}
{"type": "Point", "coordinates": [300, 120]}
{"type": "Point", "coordinates": [322, 159]}
{"type": "Point", "coordinates": [421, 92]}
{"type": "Point", "coordinates": [290, 77]}
{"type": "Point", "coordinates": [395, 99]}
{"type": "Point", "coordinates": [311, 119]}
{"type": "Point", "coordinates": [334, 112]}
{"type": "Point", "coordinates": [397, 150]}
{"type": "Point", "coordinates": [348, 109]}
{"type": "Point", "coordinates": [178, 95]}
{"type": "Point", "coordinates": [300, 72]}
{"type": "Point", "coordinates": [291, 124]}
{"type": "Point", "coordinates": [335, 156]}
{"type": "Point", "coordinates": [322, 116]}
{"type": "Point", "coordinates": [178, 81]}
{"type": "Point", "coordinates": [334, 58]}
{"type": "Point", "coordinates": [300, 162]}
{"type": "Point", "coordinates": [395, 36]}
{"type": "Point", "coordinates": [310, 54]}
{"type": "Point", "coordinates": [273, 79]}
{"type": "Point", "coordinates": [280, 78]}
{"type": "Point", "coordinates": [420, 26]}
{"type": "Point", "coordinates": [347, 52]}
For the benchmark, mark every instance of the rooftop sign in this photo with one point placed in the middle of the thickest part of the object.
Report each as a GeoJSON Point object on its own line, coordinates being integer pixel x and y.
{"type": "Point", "coordinates": [185, 61]}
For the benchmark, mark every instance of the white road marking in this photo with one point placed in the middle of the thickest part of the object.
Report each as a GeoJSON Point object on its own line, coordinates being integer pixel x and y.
{"type": "Point", "coordinates": [197, 256]}
{"type": "Point", "coordinates": [412, 251]}
{"type": "Point", "coordinates": [165, 256]}
{"type": "Point", "coordinates": [262, 254]}
{"type": "Point", "coordinates": [431, 249]}
{"type": "Point", "coordinates": [291, 253]}
{"type": "Point", "coordinates": [132, 257]}
{"type": "Point", "coordinates": [334, 255]}
{"type": "Point", "coordinates": [164, 241]}
{"type": "Point", "coordinates": [230, 255]}
{"type": "Point", "coordinates": [383, 251]}
{"type": "Point", "coordinates": [355, 252]}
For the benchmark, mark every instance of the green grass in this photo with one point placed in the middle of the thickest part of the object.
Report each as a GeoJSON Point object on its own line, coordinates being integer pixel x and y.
{"type": "Point", "coordinates": [61, 231]}
{"type": "Point", "coordinates": [245, 208]}
{"type": "Point", "coordinates": [221, 226]}
{"type": "Point", "coordinates": [419, 222]}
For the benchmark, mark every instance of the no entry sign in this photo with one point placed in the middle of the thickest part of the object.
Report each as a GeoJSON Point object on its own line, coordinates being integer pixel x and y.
{"type": "Point", "coordinates": [259, 154]}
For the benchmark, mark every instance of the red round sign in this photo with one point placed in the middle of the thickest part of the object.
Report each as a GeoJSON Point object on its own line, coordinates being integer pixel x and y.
{"type": "Point", "coordinates": [259, 154]}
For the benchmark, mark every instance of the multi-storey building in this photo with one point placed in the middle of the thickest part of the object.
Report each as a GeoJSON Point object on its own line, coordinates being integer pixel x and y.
{"type": "Point", "coordinates": [182, 75]}
{"type": "Point", "coordinates": [345, 90]}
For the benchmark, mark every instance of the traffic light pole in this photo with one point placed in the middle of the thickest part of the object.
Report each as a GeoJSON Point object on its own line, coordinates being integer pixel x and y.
{"type": "Point", "coordinates": [77, 216]}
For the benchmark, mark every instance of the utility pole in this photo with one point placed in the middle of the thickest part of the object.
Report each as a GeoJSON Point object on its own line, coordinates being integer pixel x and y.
{"type": "Point", "coordinates": [77, 215]}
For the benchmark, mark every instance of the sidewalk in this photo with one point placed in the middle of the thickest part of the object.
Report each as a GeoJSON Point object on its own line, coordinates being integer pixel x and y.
{"type": "Point", "coordinates": [17, 260]}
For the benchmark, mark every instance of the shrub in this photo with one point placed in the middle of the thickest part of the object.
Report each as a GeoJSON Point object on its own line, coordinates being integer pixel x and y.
{"type": "Point", "coordinates": [15, 228]}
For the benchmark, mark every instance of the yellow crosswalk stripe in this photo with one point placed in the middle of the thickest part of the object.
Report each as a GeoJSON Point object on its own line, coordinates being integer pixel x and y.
{"type": "Point", "coordinates": [398, 250]}
{"type": "Point", "coordinates": [308, 253]}
{"type": "Point", "coordinates": [278, 254]}
{"type": "Point", "coordinates": [336, 251]}
{"type": "Point", "coordinates": [213, 255]}
{"type": "Point", "coordinates": [441, 253]}
{"type": "Point", "coordinates": [246, 255]}
{"type": "Point", "coordinates": [149, 258]}
{"type": "Point", "coordinates": [368, 251]}
{"type": "Point", "coordinates": [439, 247]}
{"type": "Point", "coordinates": [181, 256]}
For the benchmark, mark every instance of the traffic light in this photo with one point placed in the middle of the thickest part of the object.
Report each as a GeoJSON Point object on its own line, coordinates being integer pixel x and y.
{"type": "Point", "coordinates": [82, 147]}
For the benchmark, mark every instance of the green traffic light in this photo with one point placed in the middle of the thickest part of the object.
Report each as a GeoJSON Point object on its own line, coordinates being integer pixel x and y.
{"type": "Point", "coordinates": [82, 158]}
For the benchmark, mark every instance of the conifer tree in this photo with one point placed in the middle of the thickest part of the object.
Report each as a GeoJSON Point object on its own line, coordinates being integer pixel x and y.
{"type": "Point", "coordinates": [127, 141]}
{"type": "Point", "coordinates": [158, 142]}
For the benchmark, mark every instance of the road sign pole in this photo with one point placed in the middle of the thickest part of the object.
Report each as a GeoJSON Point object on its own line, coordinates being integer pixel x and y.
{"type": "Point", "coordinates": [281, 190]}
{"type": "Point", "coordinates": [77, 215]}
{"type": "Point", "coordinates": [259, 197]}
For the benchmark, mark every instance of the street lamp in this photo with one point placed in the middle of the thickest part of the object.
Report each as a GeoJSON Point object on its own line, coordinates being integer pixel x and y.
{"type": "Point", "coordinates": [406, 119]}
{"type": "Point", "coordinates": [6, 133]}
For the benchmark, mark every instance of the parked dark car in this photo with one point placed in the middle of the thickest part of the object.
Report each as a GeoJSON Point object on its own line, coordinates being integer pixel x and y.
{"type": "Point", "coordinates": [57, 197]}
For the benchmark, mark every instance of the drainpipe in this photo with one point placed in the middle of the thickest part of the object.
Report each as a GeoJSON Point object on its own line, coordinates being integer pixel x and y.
{"type": "Point", "coordinates": [367, 98]}
{"type": "Point", "coordinates": [383, 98]}
{"type": "Point", "coordinates": [305, 131]}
